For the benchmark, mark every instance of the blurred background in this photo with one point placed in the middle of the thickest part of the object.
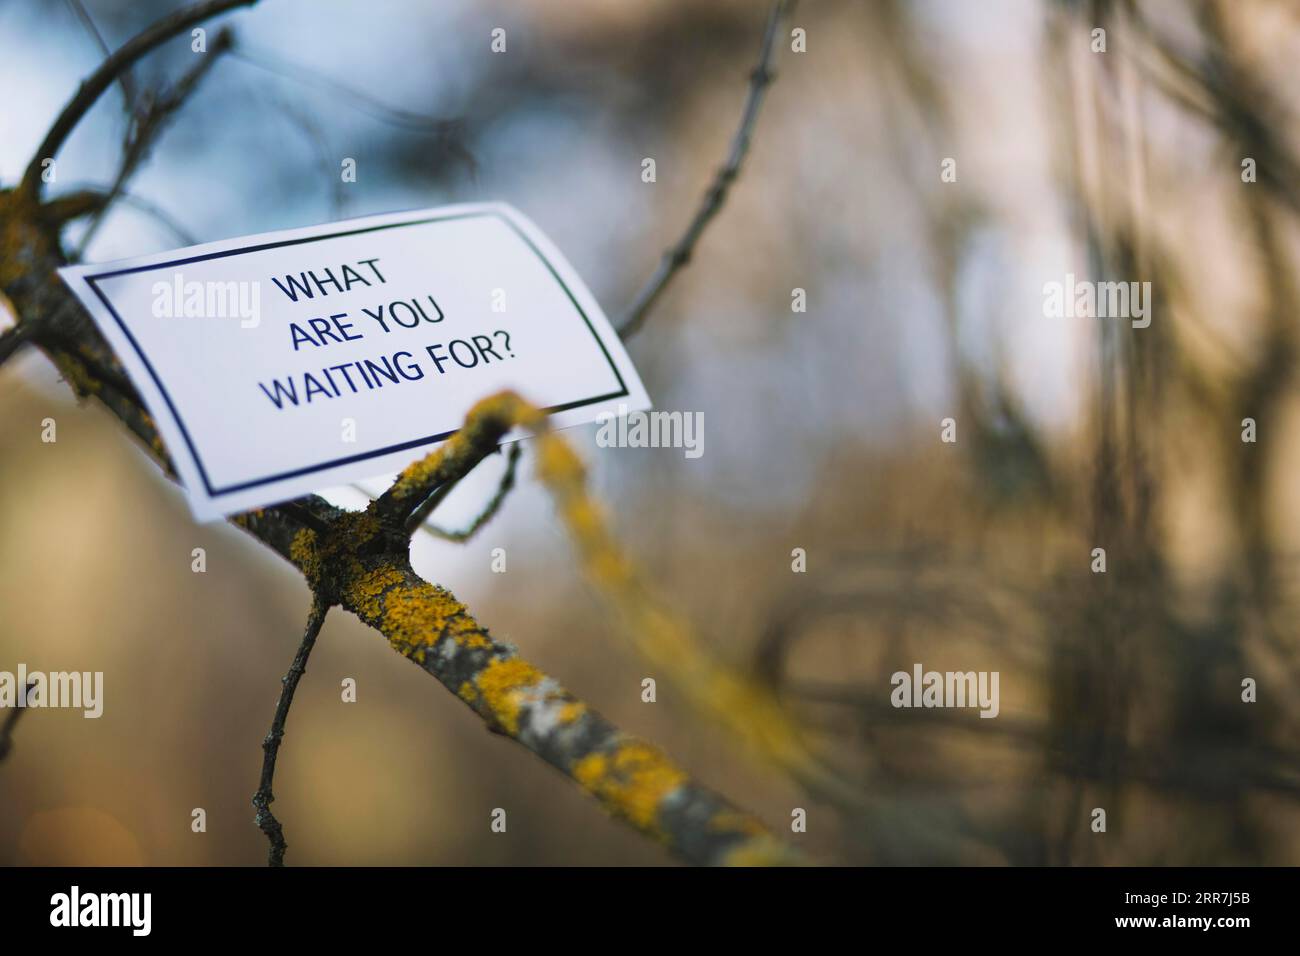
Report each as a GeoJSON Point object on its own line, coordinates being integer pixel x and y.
{"type": "Point", "coordinates": [1120, 690]}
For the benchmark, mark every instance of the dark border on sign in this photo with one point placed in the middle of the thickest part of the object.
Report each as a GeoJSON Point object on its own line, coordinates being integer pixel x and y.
{"type": "Point", "coordinates": [378, 452]}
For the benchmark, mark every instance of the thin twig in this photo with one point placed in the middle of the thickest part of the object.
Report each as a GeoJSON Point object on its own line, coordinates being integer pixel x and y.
{"type": "Point", "coordinates": [12, 339]}
{"type": "Point", "coordinates": [11, 721]}
{"type": "Point", "coordinates": [487, 514]}
{"type": "Point", "coordinates": [159, 215]}
{"type": "Point", "coordinates": [148, 123]}
{"type": "Point", "coordinates": [319, 142]}
{"type": "Point", "coordinates": [448, 133]}
{"type": "Point", "coordinates": [435, 474]}
{"type": "Point", "coordinates": [262, 800]}
{"type": "Point", "coordinates": [93, 87]}
{"type": "Point", "coordinates": [680, 254]}
{"type": "Point", "coordinates": [126, 80]}
{"type": "Point", "coordinates": [139, 203]}
{"type": "Point", "coordinates": [431, 503]}
{"type": "Point", "coordinates": [358, 99]}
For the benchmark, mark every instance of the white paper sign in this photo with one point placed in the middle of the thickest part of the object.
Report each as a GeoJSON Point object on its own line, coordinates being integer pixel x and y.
{"type": "Point", "coordinates": [281, 364]}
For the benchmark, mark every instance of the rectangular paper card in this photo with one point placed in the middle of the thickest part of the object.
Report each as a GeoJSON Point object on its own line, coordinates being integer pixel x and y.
{"type": "Point", "coordinates": [285, 363]}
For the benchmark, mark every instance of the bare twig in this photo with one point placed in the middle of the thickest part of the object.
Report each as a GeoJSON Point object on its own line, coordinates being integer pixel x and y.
{"type": "Point", "coordinates": [11, 340]}
{"type": "Point", "coordinates": [262, 800]}
{"type": "Point", "coordinates": [417, 519]}
{"type": "Point", "coordinates": [429, 506]}
{"type": "Point", "coordinates": [126, 80]}
{"type": "Point", "coordinates": [7, 730]}
{"type": "Point", "coordinates": [446, 133]}
{"type": "Point", "coordinates": [358, 99]}
{"type": "Point", "coordinates": [319, 142]}
{"type": "Point", "coordinates": [128, 198]}
{"type": "Point", "coordinates": [93, 87]}
{"type": "Point", "coordinates": [159, 215]}
{"type": "Point", "coordinates": [680, 254]}
{"type": "Point", "coordinates": [148, 123]}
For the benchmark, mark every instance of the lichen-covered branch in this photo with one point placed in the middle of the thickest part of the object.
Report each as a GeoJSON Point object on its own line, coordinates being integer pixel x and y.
{"type": "Point", "coordinates": [660, 636]}
{"type": "Point", "coordinates": [455, 458]}
{"type": "Point", "coordinates": [489, 512]}
{"type": "Point", "coordinates": [360, 559]}
{"type": "Point", "coordinates": [357, 564]}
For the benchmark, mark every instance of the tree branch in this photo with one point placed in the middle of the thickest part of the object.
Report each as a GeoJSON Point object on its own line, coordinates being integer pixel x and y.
{"type": "Point", "coordinates": [360, 562]}
{"type": "Point", "coordinates": [125, 79]}
{"type": "Point", "coordinates": [658, 635]}
{"type": "Point", "coordinates": [350, 96]}
{"type": "Point", "coordinates": [356, 564]}
{"type": "Point", "coordinates": [417, 519]}
{"type": "Point", "coordinates": [7, 730]}
{"type": "Point", "coordinates": [11, 340]}
{"type": "Point", "coordinates": [159, 215]}
{"type": "Point", "coordinates": [680, 253]}
{"type": "Point", "coordinates": [91, 198]}
{"type": "Point", "coordinates": [360, 559]}
{"type": "Point", "coordinates": [263, 798]}
{"type": "Point", "coordinates": [93, 87]}
{"type": "Point", "coordinates": [485, 426]}
{"type": "Point", "coordinates": [149, 122]}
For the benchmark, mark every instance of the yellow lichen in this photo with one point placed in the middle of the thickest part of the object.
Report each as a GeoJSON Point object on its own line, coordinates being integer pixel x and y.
{"type": "Point", "coordinates": [359, 528]}
{"type": "Point", "coordinates": [485, 422]}
{"type": "Point", "coordinates": [466, 632]}
{"type": "Point", "coordinates": [303, 553]}
{"type": "Point", "coordinates": [365, 592]}
{"type": "Point", "coordinates": [658, 633]}
{"type": "Point", "coordinates": [631, 782]}
{"type": "Point", "coordinates": [760, 851]}
{"type": "Point", "coordinates": [504, 684]}
{"type": "Point", "coordinates": [416, 617]}
{"type": "Point", "coordinates": [77, 375]}
{"type": "Point", "coordinates": [557, 465]}
{"type": "Point", "coordinates": [585, 521]}
{"type": "Point", "coordinates": [571, 711]}
{"type": "Point", "coordinates": [733, 821]}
